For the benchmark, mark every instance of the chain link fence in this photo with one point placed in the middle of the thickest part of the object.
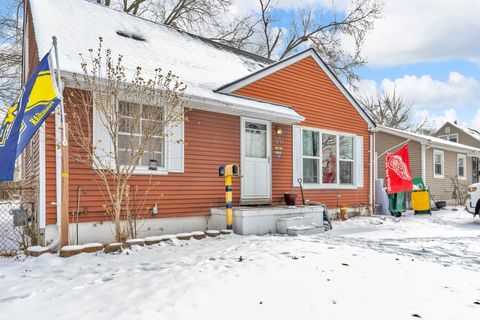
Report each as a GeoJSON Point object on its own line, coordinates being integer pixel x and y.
{"type": "Point", "coordinates": [18, 212]}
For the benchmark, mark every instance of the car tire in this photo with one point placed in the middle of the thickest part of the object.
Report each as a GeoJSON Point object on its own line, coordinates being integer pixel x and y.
{"type": "Point", "coordinates": [477, 209]}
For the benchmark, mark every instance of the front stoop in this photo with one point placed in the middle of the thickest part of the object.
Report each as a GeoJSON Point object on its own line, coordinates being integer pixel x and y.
{"type": "Point", "coordinates": [265, 220]}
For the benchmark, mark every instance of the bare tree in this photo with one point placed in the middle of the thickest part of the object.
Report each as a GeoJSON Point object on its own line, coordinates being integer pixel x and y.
{"type": "Point", "coordinates": [11, 37]}
{"type": "Point", "coordinates": [459, 189]}
{"type": "Point", "coordinates": [122, 104]}
{"type": "Point", "coordinates": [392, 110]}
{"type": "Point", "coordinates": [323, 30]}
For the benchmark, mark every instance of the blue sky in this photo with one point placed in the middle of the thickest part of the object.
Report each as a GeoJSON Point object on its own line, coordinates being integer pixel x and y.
{"type": "Point", "coordinates": [427, 49]}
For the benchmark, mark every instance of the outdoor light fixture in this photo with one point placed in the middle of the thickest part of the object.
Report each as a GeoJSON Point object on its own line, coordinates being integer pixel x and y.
{"type": "Point", "coordinates": [153, 164]}
{"type": "Point", "coordinates": [278, 130]}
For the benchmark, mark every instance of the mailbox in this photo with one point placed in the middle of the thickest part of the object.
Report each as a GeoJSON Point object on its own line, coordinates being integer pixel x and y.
{"type": "Point", "coordinates": [228, 170]}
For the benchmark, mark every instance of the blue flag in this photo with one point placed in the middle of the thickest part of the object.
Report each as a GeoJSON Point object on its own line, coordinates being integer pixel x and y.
{"type": "Point", "coordinates": [34, 104]}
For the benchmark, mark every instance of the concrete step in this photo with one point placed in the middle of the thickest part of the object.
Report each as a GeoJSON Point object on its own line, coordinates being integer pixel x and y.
{"type": "Point", "coordinates": [303, 230]}
{"type": "Point", "coordinates": [284, 223]}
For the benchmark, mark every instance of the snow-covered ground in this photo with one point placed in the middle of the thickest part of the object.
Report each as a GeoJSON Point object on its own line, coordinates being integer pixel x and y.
{"type": "Point", "coordinates": [366, 268]}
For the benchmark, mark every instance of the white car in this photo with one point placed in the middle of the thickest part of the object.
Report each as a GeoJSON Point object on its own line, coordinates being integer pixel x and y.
{"type": "Point", "coordinates": [473, 201]}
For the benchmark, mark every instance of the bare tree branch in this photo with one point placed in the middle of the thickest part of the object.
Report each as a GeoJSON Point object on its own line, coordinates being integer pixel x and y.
{"type": "Point", "coordinates": [122, 105]}
{"type": "Point", "coordinates": [392, 110]}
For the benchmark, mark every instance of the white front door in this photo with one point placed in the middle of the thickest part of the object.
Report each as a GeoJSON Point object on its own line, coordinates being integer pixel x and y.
{"type": "Point", "coordinates": [256, 167]}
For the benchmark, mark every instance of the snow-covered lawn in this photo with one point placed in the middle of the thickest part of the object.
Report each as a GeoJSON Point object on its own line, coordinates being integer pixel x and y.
{"type": "Point", "coordinates": [366, 268]}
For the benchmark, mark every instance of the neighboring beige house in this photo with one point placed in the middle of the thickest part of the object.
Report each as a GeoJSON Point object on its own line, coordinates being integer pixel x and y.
{"type": "Point", "coordinates": [434, 159]}
{"type": "Point", "coordinates": [460, 133]}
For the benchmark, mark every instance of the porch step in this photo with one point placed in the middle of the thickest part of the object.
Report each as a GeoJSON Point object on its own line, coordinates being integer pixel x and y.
{"type": "Point", "coordinates": [303, 230]}
{"type": "Point", "coordinates": [284, 223]}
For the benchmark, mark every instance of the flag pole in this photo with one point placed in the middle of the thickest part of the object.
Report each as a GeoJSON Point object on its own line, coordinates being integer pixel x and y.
{"type": "Point", "coordinates": [64, 155]}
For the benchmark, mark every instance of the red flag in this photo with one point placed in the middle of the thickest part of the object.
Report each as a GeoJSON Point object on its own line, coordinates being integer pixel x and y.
{"type": "Point", "coordinates": [398, 176]}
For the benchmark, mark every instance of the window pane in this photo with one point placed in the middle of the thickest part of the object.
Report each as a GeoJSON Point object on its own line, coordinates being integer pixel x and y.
{"type": "Point", "coordinates": [461, 167]}
{"type": "Point", "coordinates": [310, 143]}
{"type": "Point", "coordinates": [329, 158]}
{"type": "Point", "coordinates": [126, 141]}
{"type": "Point", "coordinates": [123, 156]}
{"type": "Point", "coordinates": [346, 172]}
{"type": "Point", "coordinates": [438, 159]}
{"type": "Point", "coordinates": [438, 169]}
{"type": "Point", "coordinates": [310, 170]}
{"type": "Point", "coordinates": [255, 140]}
{"type": "Point", "coordinates": [346, 148]}
{"type": "Point", "coordinates": [147, 156]}
{"type": "Point", "coordinates": [155, 144]}
{"type": "Point", "coordinates": [128, 109]}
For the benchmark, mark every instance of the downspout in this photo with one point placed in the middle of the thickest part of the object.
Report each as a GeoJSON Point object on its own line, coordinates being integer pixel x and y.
{"type": "Point", "coordinates": [423, 159]}
{"type": "Point", "coordinates": [371, 171]}
{"type": "Point", "coordinates": [58, 165]}
{"type": "Point", "coordinates": [42, 185]}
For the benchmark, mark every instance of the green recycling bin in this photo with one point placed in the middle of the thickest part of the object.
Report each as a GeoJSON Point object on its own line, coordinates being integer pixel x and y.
{"type": "Point", "coordinates": [396, 203]}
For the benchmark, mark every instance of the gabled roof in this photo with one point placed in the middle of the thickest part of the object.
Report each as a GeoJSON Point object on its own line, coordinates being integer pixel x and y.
{"type": "Point", "coordinates": [262, 73]}
{"type": "Point", "coordinates": [202, 64]}
{"type": "Point", "coordinates": [430, 141]}
{"type": "Point", "coordinates": [471, 132]}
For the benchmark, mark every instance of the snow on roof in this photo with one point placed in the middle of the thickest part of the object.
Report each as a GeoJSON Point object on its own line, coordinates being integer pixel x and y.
{"type": "Point", "coordinates": [431, 140]}
{"type": "Point", "coordinates": [472, 132]}
{"type": "Point", "coordinates": [202, 64]}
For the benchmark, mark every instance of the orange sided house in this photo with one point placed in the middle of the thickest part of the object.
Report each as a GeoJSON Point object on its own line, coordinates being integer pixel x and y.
{"type": "Point", "coordinates": [280, 121]}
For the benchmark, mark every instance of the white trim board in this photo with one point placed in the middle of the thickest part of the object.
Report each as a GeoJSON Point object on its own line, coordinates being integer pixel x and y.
{"type": "Point", "coordinates": [233, 86]}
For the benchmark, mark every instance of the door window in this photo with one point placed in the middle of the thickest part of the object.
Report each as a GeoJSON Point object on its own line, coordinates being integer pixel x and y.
{"type": "Point", "coordinates": [255, 140]}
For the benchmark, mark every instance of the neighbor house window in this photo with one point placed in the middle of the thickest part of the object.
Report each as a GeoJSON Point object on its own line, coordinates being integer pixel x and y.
{"type": "Point", "coordinates": [438, 163]}
{"type": "Point", "coordinates": [461, 166]}
{"type": "Point", "coordinates": [450, 137]}
{"type": "Point", "coordinates": [327, 158]}
{"type": "Point", "coordinates": [134, 120]}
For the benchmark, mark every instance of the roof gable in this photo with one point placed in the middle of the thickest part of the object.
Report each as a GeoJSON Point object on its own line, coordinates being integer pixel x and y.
{"type": "Point", "coordinates": [281, 65]}
{"type": "Point", "coordinates": [460, 127]}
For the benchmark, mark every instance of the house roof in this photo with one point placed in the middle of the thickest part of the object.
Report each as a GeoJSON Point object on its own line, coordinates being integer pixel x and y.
{"type": "Point", "coordinates": [257, 75]}
{"type": "Point", "coordinates": [430, 141]}
{"type": "Point", "coordinates": [471, 132]}
{"type": "Point", "coordinates": [202, 64]}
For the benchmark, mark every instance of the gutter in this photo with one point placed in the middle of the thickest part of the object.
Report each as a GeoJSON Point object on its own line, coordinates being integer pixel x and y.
{"type": "Point", "coordinates": [202, 103]}
{"type": "Point", "coordinates": [214, 105]}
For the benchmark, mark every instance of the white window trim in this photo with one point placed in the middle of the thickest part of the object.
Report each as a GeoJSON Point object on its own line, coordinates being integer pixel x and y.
{"type": "Point", "coordinates": [464, 157]}
{"type": "Point", "coordinates": [144, 170]}
{"type": "Point", "coordinates": [446, 136]}
{"type": "Point", "coordinates": [439, 176]}
{"type": "Point", "coordinates": [337, 185]}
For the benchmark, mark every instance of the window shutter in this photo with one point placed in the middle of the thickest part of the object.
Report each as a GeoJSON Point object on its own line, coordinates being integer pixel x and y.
{"type": "Point", "coordinates": [297, 154]}
{"type": "Point", "coordinates": [175, 152]}
{"type": "Point", "coordinates": [359, 162]}
{"type": "Point", "coordinates": [101, 139]}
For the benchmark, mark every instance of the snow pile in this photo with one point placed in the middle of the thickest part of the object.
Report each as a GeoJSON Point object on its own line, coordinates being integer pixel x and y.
{"type": "Point", "coordinates": [340, 275]}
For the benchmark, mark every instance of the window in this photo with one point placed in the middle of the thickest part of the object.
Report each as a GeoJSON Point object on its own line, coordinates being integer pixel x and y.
{"type": "Point", "coordinates": [135, 120]}
{"type": "Point", "coordinates": [438, 163]}
{"type": "Point", "coordinates": [330, 163]}
{"type": "Point", "coordinates": [450, 137]}
{"type": "Point", "coordinates": [346, 159]}
{"type": "Point", "coordinates": [311, 156]}
{"type": "Point", "coordinates": [255, 140]}
{"type": "Point", "coordinates": [461, 163]}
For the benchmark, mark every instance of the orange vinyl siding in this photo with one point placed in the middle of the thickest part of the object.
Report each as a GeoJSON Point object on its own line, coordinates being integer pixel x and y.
{"type": "Point", "coordinates": [307, 89]}
{"type": "Point", "coordinates": [211, 139]}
